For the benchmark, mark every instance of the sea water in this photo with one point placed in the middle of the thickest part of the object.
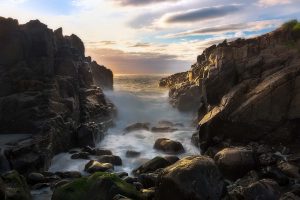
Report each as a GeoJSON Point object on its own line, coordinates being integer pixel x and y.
{"type": "Point", "coordinates": [137, 99]}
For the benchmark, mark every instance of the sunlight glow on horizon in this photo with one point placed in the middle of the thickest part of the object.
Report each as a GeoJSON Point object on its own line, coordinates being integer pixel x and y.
{"type": "Point", "coordinates": [139, 37]}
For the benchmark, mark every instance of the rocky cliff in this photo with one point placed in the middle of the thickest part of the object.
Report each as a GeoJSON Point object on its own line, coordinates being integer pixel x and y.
{"type": "Point", "coordinates": [245, 90]}
{"type": "Point", "coordinates": [48, 89]}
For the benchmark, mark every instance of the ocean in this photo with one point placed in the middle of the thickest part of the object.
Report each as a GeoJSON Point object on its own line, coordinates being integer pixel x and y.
{"type": "Point", "coordinates": [138, 99]}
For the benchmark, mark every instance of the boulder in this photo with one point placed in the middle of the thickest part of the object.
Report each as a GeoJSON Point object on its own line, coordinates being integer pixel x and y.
{"type": "Point", "coordinates": [235, 162]}
{"type": "Point", "coordinates": [194, 177]}
{"type": "Point", "coordinates": [94, 166]}
{"type": "Point", "coordinates": [114, 160]}
{"type": "Point", "coordinates": [152, 165]}
{"type": "Point", "coordinates": [148, 180]}
{"type": "Point", "coordinates": [102, 152]}
{"type": "Point", "coordinates": [34, 178]}
{"type": "Point", "coordinates": [290, 169]}
{"type": "Point", "coordinates": [80, 155]}
{"type": "Point", "coordinates": [132, 154]}
{"type": "Point", "coordinates": [15, 186]}
{"type": "Point", "coordinates": [69, 174]}
{"type": "Point", "coordinates": [137, 127]}
{"type": "Point", "coordinates": [264, 189]}
{"type": "Point", "coordinates": [100, 186]}
{"type": "Point", "coordinates": [168, 146]}
{"type": "Point", "coordinates": [171, 159]}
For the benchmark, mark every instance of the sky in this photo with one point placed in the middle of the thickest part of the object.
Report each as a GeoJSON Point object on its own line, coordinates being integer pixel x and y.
{"type": "Point", "coordinates": [153, 36]}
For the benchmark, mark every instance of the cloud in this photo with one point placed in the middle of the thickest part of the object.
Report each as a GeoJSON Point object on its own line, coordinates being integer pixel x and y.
{"type": "Point", "coordinates": [140, 2]}
{"type": "Point", "coordinates": [141, 44]}
{"type": "Point", "coordinates": [273, 2]}
{"type": "Point", "coordinates": [137, 62]}
{"type": "Point", "coordinates": [201, 14]}
{"type": "Point", "coordinates": [222, 29]}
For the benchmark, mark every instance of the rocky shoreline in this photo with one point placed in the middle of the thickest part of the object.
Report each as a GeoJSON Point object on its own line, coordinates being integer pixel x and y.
{"type": "Point", "coordinates": [245, 92]}
{"type": "Point", "coordinates": [49, 91]}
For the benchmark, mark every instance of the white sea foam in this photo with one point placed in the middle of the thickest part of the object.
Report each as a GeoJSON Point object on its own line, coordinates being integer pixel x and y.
{"type": "Point", "coordinates": [138, 99]}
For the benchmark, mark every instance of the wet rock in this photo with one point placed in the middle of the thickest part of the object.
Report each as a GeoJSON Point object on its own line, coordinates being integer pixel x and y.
{"type": "Point", "coordinates": [290, 169]}
{"type": "Point", "coordinates": [130, 179]}
{"type": "Point", "coordinates": [47, 173]}
{"type": "Point", "coordinates": [94, 166]}
{"type": "Point", "coordinates": [4, 164]}
{"type": "Point", "coordinates": [267, 159]}
{"type": "Point", "coordinates": [69, 174]}
{"type": "Point", "coordinates": [272, 172]}
{"type": "Point", "coordinates": [168, 146]}
{"type": "Point", "coordinates": [185, 96]}
{"type": "Point", "coordinates": [115, 160]}
{"type": "Point", "coordinates": [51, 93]}
{"type": "Point", "coordinates": [81, 155]}
{"type": "Point", "coordinates": [148, 179]}
{"type": "Point", "coordinates": [89, 150]}
{"type": "Point", "coordinates": [291, 195]}
{"type": "Point", "coordinates": [137, 127]}
{"type": "Point", "coordinates": [61, 183]}
{"type": "Point", "coordinates": [40, 186]}
{"type": "Point", "coordinates": [190, 178]}
{"type": "Point", "coordinates": [163, 129]}
{"type": "Point", "coordinates": [102, 152]}
{"type": "Point", "coordinates": [120, 197]}
{"type": "Point", "coordinates": [87, 134]}
{"type": "Point", "coordinates": [148, 193]}
{"type": "Point", "coordinates": [2, 189]}
{"type": "Point", "coordinates": [195, 139]}
{"type": "Point", "coordinates": [138, 185]}
{"type": "Point", "coordinates": [121, 174]}
{"type": "Point", "coordinates": [102, 76]}
{"type": "Point", "coordinates": [235, 162]}
{"type": "Point", "coordinates": [97, 186]}
{"type": "Point", "coordinates": [171, 159]}
{"type": "Point", "coordinates": [34, 178]}
{"type": "Point", "coordinates": [152, 165]}
{"type": "Point", "coordinates": [247, 90]}
{"type": "Point", "coordinates": [15, 186]}
{"type": "Point", "coordinates": [132, 154]}
{"type": "Point", "coordinates": [264, 189]}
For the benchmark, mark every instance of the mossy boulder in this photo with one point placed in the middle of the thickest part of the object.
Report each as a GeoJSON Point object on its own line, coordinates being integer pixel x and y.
{"type": "Point", "coordinates": [14, 187]}
{"type": "Point", "coordinates": [99, 186]}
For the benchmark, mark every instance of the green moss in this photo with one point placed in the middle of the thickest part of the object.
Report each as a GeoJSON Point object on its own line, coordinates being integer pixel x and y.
{"type": "Point", "coordinates": [74, 190]}
{"type": "Point", "coordinates": [16, 187]}
{"type": "Point", "coordinates": [91, 187]}
{"type": "Point", "coordinates": [296, 27]}
{"type": "Point", "coordinates": [290, 24]}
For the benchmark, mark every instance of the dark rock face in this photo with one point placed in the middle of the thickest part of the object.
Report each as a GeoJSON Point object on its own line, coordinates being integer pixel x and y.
{"type": "Point", "coordinates": [47, 90]}
{"type": "Point", "coordinates": [245, 90]}
{"type": "Point", "coordinates": [194, 177]}
{"type": "Point", "coordinates": [103, 77]}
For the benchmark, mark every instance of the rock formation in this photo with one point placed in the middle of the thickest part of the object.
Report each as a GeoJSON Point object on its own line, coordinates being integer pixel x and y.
{"type": "Point", "coordinates": [245, 90]}
{"type": "Point", "coordinates": [48, 90]}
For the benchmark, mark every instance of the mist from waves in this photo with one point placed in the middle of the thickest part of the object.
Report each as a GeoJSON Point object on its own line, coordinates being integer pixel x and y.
{"type": "Point", "coordinates": [138, 99]}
